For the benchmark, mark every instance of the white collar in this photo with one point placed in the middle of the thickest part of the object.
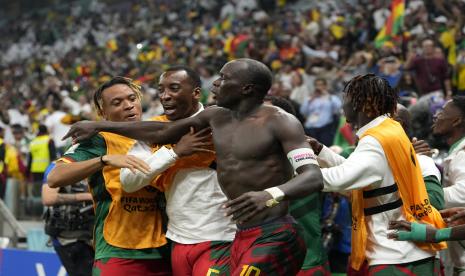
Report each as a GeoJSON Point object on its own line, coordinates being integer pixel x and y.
{"type": "Point", "coordinates": [459, 147]}
{"type": "Point", "coordinates": [375, 122]}
{"type": "Point", "coordinates": [198, 111]}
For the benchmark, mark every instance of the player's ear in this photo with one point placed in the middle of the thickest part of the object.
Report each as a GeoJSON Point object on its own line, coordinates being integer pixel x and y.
{"type": "Point", "coordinates": [247, 89]}
{"type": "Point", "coordinates": [196, 93]}
{"type": "Point", "coordinates": [457, 122]}
{"type": "Point", "coordinates": [100, 113]}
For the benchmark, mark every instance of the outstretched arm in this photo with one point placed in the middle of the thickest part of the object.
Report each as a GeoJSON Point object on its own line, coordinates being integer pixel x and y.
{"type": "Point", "coordinates": [419, 232]}
{"type": "Point", "coordinates": [149, 131]}
{"type": "Point", "coordinates": [84, 159]}
{"type": "Point", "coordinates": [69, 173]}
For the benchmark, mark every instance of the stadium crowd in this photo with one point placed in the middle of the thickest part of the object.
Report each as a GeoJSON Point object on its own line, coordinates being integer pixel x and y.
{"type": "Point", "coordinates": [52, 61]}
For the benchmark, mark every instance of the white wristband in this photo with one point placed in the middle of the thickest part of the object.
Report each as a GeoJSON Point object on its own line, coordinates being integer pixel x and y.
{"type": "Point", "coordinates": [173, 154]}
{"type": "Point", "coordinates": [277, 195]}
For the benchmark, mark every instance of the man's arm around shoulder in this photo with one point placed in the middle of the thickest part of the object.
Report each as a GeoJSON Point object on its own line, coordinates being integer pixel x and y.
{"type": "Point", "coordinates": [147, 131]}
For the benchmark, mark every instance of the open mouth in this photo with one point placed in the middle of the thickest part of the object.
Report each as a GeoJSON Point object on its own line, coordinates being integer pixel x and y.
{"type": "Point", "coordinates": [169, 109]}
{"type": "Point", "coordinates": [132, 117]}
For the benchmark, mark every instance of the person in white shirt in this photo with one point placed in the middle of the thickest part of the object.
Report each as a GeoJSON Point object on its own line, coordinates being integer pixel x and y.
{"type": "Point", "coordinates": [197, 224]}
{"type": "Point", "coordinates": [369, 101]}
{"type": "Point", "coordinates": [450, 123]}
{"type": "Point", "coordinates": [429, 170]}
{"type": "Point", "coordinates": [55, 127]}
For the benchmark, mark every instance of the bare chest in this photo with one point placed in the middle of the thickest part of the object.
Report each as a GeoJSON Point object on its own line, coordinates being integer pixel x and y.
{"type": "Point", "coordinates": [246, 140]}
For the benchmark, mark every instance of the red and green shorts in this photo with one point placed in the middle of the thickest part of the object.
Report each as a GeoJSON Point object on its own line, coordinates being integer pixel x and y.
{"type": "Point", "coordinates": [426, 267]}
{"type": "Point", "coordinates": [320, 270]}
{"type": "Point", "coordinates": [274, 248]}
{"type": "Point", "coordinates": [124, 267]}
{"type": "Point", "coordinates": [201, 259]}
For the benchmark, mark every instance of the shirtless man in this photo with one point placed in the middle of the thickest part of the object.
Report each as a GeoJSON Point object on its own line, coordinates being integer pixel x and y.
{"type": "Point", "coordinates": [254, 144]}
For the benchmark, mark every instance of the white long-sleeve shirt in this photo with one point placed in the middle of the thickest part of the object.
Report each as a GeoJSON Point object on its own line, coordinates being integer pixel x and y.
{"type": "Point", "coordinates": [193, 200]}
{"type": "Point", "coordinates": [368, 167]}
{"type": "Point", "coordinates": [454, 194]}
{"type": "Point", "coordinates": [454, 177]}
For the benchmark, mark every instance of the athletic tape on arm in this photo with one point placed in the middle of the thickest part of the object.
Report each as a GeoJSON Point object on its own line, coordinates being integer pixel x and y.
{"type": "Point", "coordinates": [443, 234]}
{"type": "Point", "coordinates": [417, 233]}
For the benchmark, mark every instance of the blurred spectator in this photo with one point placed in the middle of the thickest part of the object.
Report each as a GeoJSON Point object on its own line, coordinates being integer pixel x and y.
{"type": "Point", "coordinates": [408, 92]}
{"type": "Point", "coordinates": [431, 70]}
{"type": "Point", "coordinates": [154, 109]}
{"type": "Point", "coordinates": [460, 69]}
{"type": "Point", "coordinates": [390, 69]}
{"type": "Point", "coordinates": [42, 152]}
{"type": "Point", "coordinates": [285, 74]}
{"type": "Point", "coordinates": [54, 124]}
{"type": "Point", "coordinates": [21, 144]}
{"type": "Point", "coordinates": [300, 90]}
{"type": "Point", "coordinates": [207, 77]}
{"type": "Point", "coordinates": [281, 90]}
{"type": "Point", "coordinates": [8, 163]}
{"type": "Point", "coordinates": [321, 112]}
{"type": "Point", "coordinates": [11, 170]}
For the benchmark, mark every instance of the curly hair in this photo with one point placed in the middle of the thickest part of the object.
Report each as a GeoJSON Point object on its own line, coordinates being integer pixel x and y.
{"type": "Point", "coordinates": [372, 95]}
{"type": "Point", "coordinates": [97, 98]}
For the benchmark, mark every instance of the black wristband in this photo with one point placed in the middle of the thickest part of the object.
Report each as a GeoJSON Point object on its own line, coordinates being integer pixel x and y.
{"type": "Point", "coordinates": [103, 162]}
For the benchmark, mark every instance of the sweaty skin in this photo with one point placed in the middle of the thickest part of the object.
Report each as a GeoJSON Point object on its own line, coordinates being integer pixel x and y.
{"type": "Point", "coordinates": [251, 141]}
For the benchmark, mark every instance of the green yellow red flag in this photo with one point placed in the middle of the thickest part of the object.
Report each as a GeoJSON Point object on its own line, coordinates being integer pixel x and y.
{"type": "Point", "coordinates": [393, 25]}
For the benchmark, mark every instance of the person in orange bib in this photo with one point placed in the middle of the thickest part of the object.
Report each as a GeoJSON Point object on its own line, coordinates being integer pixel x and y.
{"type": "Point", "coordinates": [128, 234]}
{"type": "Point", "coordinates": [200, 233]}
{"type": "Point", "coordinates": [384, 177]}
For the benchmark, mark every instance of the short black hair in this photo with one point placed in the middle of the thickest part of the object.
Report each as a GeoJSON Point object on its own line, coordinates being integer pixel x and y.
{"type": "Point", "coordinates": [97, 98]}
{"type": "Point", "coordinates": [193, 75]}
{"type": "Point", "coordinates": [258, 74]}
{"type": "Point", "coordinates": [459, 102]}
{"type": "Point", "coordinates": [372, 95]}
{"type": "Point", "coordinates": [42, 130]}
{"type": "Point", "coordinates": [17, 127]}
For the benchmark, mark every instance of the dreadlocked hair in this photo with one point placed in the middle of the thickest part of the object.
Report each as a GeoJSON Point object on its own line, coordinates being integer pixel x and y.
{"type": "Point", "coordinates": [372, 95]}
{"type": "Point", "coordinates": [98, 99]}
